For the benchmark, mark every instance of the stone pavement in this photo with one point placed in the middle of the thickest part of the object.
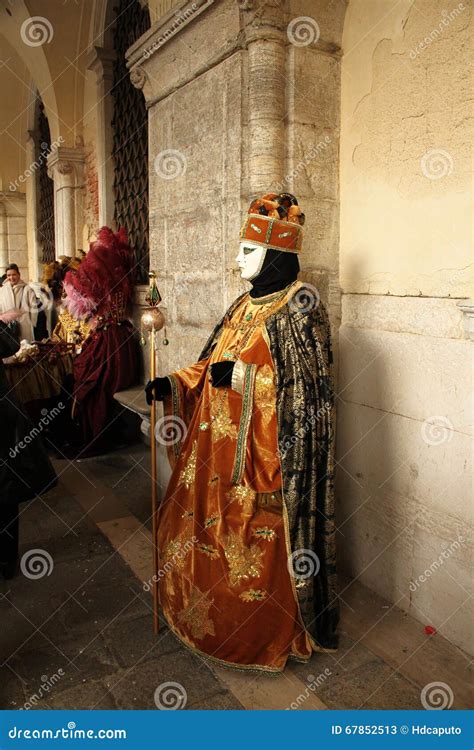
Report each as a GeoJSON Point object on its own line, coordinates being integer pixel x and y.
{"type": "Point", "coordinates": [81, 635]}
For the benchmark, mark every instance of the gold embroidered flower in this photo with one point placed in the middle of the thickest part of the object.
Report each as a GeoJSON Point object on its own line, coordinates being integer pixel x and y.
{"type": "Point", "coordinates": [175, 551]}
{"type": "Point", "coordinates": [196, 614]}
{"type": "Point", "coordinates": [244, 496]}
{"type": "Point", "coordinates": [187, 474]}
{"type": "Point", "coordinates": [221, 423]}
{"type": "Point", "coordinates": [211, 521]}
{"type": "Point", "coordinates": [244, 562]}
{"type": "Point", "coordinates": [265, 393]}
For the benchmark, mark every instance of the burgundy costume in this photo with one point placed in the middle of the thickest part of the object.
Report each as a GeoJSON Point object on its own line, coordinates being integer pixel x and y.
{"type": "Point", "coordinates": [100, 291]}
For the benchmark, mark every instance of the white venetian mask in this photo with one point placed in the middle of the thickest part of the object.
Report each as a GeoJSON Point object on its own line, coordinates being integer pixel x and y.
{"type": "Point", "coordinates": [250, 259]}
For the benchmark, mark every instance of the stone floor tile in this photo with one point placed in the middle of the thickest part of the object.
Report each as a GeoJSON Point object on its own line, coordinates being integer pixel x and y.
{"type": "Point", "coordinates": [223, 701]}
{"type": "Point", "coordinates": [373, 685]}
{"type": "Point", "coordinates": [75, 659]}
{"type": "Point", "coordinates": [92, 694]}
{"type": "Point", "coordinates": [134, 640]}
{"type": "Point", "coordinates": [135, 687]}
{"type": "Point", "coordinates": [12, 694]}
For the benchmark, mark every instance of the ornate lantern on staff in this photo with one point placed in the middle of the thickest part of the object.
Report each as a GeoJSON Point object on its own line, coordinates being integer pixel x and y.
{"type": "Point", "coordinates": [153, 321]}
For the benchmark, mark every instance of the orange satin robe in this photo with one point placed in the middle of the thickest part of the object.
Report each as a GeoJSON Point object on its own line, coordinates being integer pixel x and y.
{"type": "Point", "coordinates": [225, 587]}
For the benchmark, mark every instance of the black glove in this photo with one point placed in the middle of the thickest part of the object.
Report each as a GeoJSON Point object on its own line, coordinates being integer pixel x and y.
{"type": "Point", "coordinates": [221, 374]}
{"type": "Point", "coordinates": [157, 389]}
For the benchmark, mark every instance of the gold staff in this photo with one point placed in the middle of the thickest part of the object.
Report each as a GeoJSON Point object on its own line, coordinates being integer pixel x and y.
{"type": "Point", "coordinates": [152, 321]}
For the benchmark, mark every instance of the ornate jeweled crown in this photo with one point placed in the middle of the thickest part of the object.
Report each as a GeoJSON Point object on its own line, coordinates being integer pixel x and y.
{"type": "Point", "coordinates": [275, 221]}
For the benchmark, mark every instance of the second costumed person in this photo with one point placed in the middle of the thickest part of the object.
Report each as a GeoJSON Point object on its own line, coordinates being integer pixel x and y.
{"type": "Point", "coordinates": [98, 294]}
{"type": "Point", "coordinates": [246, 529]}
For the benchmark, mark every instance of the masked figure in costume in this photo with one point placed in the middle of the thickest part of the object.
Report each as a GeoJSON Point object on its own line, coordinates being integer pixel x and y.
{"type": "Point", "coordinates": [246, 528]}
{"type": "Point", "coordinates": [99, 293]}
{"type": "Point", "coordinates": [61, 324]}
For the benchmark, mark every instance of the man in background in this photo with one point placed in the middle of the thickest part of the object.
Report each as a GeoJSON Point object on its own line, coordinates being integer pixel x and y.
{"type": "Point", "coordinates": [16, 294]}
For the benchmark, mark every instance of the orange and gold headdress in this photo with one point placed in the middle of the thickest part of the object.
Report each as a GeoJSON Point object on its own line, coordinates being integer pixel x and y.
{"type": "Point", "coordinates": [54, 273]}
{"type": "Point", "coordinates": [275, 221]}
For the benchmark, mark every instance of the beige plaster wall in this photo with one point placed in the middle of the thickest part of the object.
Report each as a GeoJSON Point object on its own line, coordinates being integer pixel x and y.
{"type": "Point", "coordinates": [404, 484]}
{"type": "Point", "coordinates": [405, 148]}
{"type": "Point", "coordinates": [17, 95]}
{"type": "Point", "coordinates": [15, 85]}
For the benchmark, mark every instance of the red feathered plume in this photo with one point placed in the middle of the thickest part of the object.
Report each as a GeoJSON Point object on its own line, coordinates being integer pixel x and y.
{"type": "Point", "coordinates": [106, 270]}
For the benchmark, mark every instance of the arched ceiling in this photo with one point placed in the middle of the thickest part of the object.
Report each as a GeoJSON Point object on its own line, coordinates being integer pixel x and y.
{"type": "Point", "coordinates": [18, 93]}
{"type": "Point", "coordinates": [51, 38]}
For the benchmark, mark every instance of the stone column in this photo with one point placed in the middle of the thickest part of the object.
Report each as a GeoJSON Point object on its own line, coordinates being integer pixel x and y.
{"type": "Point", "coordinates": [3, 238]}
{"type": "Point", "coordinates": [66, 168]}
{"type": "Point", "coordinates": [101, 63]}
{"type": "Point", "coordinates": [31, 209]}
{"type": "Point", "coordinates": [266, 106]}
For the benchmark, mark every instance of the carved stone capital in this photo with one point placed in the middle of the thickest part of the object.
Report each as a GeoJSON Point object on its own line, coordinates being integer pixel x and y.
{"type": "Point", "coordinates": [67, 163]}
{"type": "Point", "coordinates": [138, 77]}
{"type": "Point", "coordinates": [263, 21]}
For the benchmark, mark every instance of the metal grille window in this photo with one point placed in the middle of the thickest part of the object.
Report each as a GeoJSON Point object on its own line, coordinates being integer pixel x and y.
{"type": "Point", "coordinates": [45, 187]}
{"type": "Point", "coordinates": [130, 127]}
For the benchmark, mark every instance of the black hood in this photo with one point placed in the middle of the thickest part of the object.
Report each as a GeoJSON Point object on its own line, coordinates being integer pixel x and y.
{"type": "Point", "coordinates": [279, 269]}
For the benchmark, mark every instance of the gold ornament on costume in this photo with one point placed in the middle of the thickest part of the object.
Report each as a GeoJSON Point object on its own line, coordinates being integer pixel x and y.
{"type": "Point", "coordinates": [265, 393]}
{"type": "Point", "coordinates": [221, 422]}
{"type": "Point", "coordinates": [253, 595]}
{"type": "Point", "coordinates": [196, 615]}
{"type": "Point", "coordinates": [187, 474]}
{"type": "Point", "coordinates": [244, 562]}
{"type": "Point", "coordinates": [244, 496]}
{"type": "Point", "coordinates": [264, 533]}
{"type": "Point", "coordinates": [208, 549]}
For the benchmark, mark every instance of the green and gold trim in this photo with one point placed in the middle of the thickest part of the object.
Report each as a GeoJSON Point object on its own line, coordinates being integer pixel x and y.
{"type": "Point", "coordinates": [176, 409]}
{"type": "Point", "coordinates": [244, 426]}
